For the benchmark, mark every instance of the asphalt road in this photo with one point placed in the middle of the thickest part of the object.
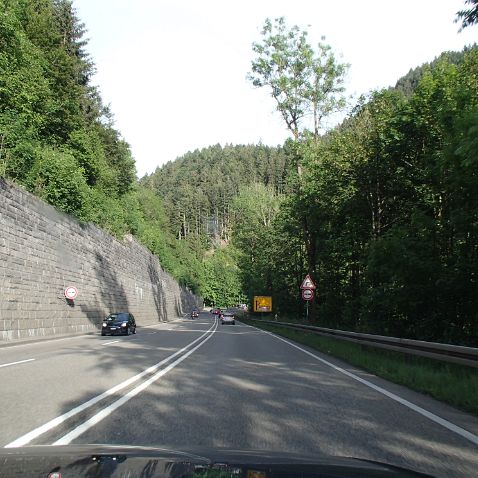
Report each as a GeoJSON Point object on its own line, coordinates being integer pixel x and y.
{"type": "Point", "coordinates": [200, 384]}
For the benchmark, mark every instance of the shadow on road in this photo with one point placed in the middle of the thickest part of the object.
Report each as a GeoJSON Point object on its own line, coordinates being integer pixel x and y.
{"type": "Point", "coordinates": [240, 391]}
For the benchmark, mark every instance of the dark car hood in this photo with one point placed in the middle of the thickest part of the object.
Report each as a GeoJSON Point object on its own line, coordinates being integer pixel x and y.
{"type": "Point", "coordinates": [107, 460]}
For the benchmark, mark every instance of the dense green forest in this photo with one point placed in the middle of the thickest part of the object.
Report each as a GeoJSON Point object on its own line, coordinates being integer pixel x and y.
{"type": "Point", "coordinates": [56, 137]}
{"type": "Point", "coordinates": [382, 210]}
{"type": "Point", "coordinates": [199, 187]}
{"type": "Point", "coordinates": [58, 140]}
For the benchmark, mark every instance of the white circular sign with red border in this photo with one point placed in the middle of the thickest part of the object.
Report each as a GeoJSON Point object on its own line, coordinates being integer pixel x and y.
{"type": "Point", "coordinates": [71, 292]}
{"type": "Point", "coordinates": [307, 294]}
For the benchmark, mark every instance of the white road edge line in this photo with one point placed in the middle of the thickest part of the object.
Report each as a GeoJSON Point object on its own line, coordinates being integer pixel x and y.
{"type": "Point", "coordinates": [431, 416]}
{"type": "Point", "coordinates": [111, 342]}
{"type": "Point", "coordinates": [28, 437]}
{"type": "Point", "coordinates": [15, 363]}
{"type": "Point", "coordinates": [95, 419]}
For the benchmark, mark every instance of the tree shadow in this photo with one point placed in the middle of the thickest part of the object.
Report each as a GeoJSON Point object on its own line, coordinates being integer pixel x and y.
{"type": "Point", "coordinates": [159, 294]}
{"type": "Point", "coordinates": [110, 294]}
{"type": "Point", "coordinates": [239, 397]}
{"type": "Point", "coordinates": [187, 299]}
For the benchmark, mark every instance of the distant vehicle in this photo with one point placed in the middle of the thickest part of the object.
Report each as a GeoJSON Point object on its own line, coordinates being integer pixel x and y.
{"type": "Point", "coordinates": [228, 318]}
{"type": "Point", "coordinates": [119, 323]}
{"type": "Point", "coordinates": [216, 311]}
{"type": "Point", "coordinates": [194, 314]}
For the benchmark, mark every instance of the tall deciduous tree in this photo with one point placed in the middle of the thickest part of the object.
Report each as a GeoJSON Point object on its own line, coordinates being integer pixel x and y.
{"type": "Point", "coordinates": [307, 85]}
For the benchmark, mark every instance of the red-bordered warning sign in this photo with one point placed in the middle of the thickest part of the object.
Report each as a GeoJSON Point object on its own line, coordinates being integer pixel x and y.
{"type": "Point", "coordinates": [308, 283]}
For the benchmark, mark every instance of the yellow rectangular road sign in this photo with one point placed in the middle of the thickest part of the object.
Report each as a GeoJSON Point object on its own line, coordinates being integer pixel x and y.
{"type": "Point", "coordinates": [262, 303]}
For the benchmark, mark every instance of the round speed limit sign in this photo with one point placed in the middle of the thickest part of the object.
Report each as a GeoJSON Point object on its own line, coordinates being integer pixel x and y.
{"type": "Point", "coordinates": [71, 292]}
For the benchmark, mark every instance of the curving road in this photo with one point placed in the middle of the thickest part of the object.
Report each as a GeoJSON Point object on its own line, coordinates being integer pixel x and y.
{"type": "Point", "coordinates": [197, 383]}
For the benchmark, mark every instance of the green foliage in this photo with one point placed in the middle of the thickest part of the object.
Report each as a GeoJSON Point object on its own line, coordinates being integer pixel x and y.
{"type": "Point", "coordinates": [307, 87]}
{"type": "Point", "coordinates": [254, 209]}
{"type": "Point", "coordinates": [57, 178]}
{"type": "Point", "coordinates": [52, 135]}
{"type": "Point", "coordinates": [468, 16]}
{"type": "Point", "coordinates": [382, 210]}
{"type": "Point", "coordinates": [197, 192]}
{"type": "Point", "coordinates": [390, 197]}
{"type": "Point", "coordinates": [58, 140]}
{"type": "Point", "coordinates": [221, 284]}
{"type": "Point", "coordinates": [304, 83]}
{"type": "Point", "coordinates": [181, 258]}
{"type": "Point", "coordinates": [408, 83]}
{"type": "Point", "coordinates": [198, 188]}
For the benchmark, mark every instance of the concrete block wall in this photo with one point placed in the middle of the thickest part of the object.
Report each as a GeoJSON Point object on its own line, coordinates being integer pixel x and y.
{"type": "Point", "coordinates": [43, 251]}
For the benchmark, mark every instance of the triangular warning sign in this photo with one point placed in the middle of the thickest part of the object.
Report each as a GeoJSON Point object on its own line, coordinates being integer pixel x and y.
{"type": "Point", "coordinates": [308, 283]}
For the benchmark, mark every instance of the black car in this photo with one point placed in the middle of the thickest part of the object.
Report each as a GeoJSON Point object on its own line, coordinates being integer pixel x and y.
{"type": "Point", "coordinates": [119, 323]}
{"type": "Point", "coordinates": [194, 314]}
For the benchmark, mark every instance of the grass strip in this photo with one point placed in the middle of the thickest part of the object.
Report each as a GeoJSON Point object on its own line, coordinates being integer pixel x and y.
{"type": "Point", "coordinates": [454, 384]}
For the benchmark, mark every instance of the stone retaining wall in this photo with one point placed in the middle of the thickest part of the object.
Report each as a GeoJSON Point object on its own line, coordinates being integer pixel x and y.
{"type": "Point", "coordinates": [42, 251]}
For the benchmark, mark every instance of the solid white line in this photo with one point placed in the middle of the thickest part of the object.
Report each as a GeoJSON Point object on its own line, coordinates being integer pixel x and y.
{"type": "Point", "coordinates": [108, 343]}
{"type": "Point", "coordinates": [14, 363]}
{"type": "Point", "coordinates": [431, 416]}
{"type": "Point", "coordinates": [95, 419]}
{"type": "Point", "coordinates": [28, 437]}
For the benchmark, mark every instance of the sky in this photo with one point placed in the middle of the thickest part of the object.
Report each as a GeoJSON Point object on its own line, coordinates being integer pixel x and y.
{"type": "Point", "coordinates": [174, 71]}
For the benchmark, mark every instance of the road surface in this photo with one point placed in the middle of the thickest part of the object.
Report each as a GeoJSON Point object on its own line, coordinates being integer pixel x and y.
{"type": "Point", "coordinates": [198, 383]}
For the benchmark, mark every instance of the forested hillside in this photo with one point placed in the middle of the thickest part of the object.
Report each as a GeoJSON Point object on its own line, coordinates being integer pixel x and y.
{"type": "Point", "coordinates": [382, 213]}
{"type": "Point", "coordinates": [56, 137]}
{"type": "Point", "coordinates": [382, 210]}
{"type": "Point", "coordinates": [199, 187]}
{"type": "Point", "coordinates": [390, 195]}
{"type": "Point", "coordinates": [409, 82]}
{"type": "Point", "coordinates": [58, 140]}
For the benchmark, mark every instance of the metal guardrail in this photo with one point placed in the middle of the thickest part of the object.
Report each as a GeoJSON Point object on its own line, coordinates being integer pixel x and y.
{"type": "Point", "coordinates": [444, 352]}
